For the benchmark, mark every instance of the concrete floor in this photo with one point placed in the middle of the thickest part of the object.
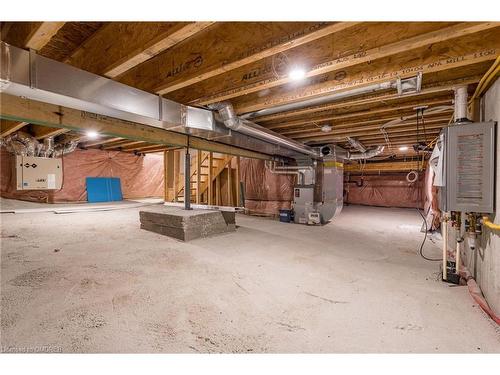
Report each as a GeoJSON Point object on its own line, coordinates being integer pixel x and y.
{"type": "Point", "coordinates": [95, 282]}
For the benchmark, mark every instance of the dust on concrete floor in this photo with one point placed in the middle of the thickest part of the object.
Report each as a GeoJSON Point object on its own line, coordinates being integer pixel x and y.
{"type": "Point", "coordinates": [95, 282]}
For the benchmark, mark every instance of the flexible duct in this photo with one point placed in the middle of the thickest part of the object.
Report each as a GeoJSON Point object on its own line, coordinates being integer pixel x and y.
{"type": "Point", "coordinates": [232, 121]}
{"type": "Point", "coordinates": [63, 149]}
{"type": "Point", "coordinates": [366, 155]}
{"type": "Point", "coordinates": [48, 147]}
{"type": "Point", "coordinates": [24, 144]}
{"type": "Point", "coordinates": [341, 153]}
{"type": "Point", "coordinates": [356, 144]}
{"type": "Point", "coordinates": [14, 146]}
{"type": "Point", "coordinates": [28, 141]}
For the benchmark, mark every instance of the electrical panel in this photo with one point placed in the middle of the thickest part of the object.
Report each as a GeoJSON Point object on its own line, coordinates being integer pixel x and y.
{"type": "Point", "coordinates": [469, 167]}
{"type": "Point", "coordinates": [35, 173]}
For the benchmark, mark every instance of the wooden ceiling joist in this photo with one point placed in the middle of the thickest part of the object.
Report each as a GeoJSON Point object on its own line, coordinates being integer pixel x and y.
{"type": "Point", "coordinates": [123, 146]}
{"type": "Point", "coordinates": [143, 146]}
{"type": "Point", "coordinates": [386, 98]}
{"type": "Point", "coordinates": [41, 132]}
{"type": "Point", "coordinates": [101, 142]}
{"type": "Point", "coordinates": [128, 44]}
{"type": "Point", "coordinates": [157, 149]}
{"type": "Point", "coordinates": [392, 166]}
{"type": "Point", "coordinates": [373, 140]}
{"type": "Point", "coordinates": [9, 127]}
{"type": "Point", "coordinates": [408, 128]}
{"type": "Point", "coordinates": [363, 127]}
{"type": "Point", "coordinates": [42, 34]}
{"type": "Point", "coordinates": [366, 113]}
{"type": "Point", "coordinates": [359, 124]}
{"type": "Point", "coordinates": [248, 63]}
{"type": "Point", "coordinates": [117, 144]}
{"type": "Point", "coordinates": [224, 47]}
{"type": "Point", "coordinates": [384, 74]}
{"type": "Point", "coordinates": [345, 62]}
{"type": "Point", "coordinates": [33, 35]}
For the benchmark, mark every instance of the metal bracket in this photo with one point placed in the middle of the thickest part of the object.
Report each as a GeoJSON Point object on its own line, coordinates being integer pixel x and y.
{"type": "Point", "coordinates": [229, 134]}
{"type": "Point", "coordinates": [33, 72]}
{"type": "Point", "coordinates": [183, 115]}
{"type": "Point", "coordinates": [160, 108]}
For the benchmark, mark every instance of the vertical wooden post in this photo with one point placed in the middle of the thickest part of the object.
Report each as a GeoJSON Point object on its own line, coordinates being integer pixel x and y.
{"type": "Point", "coordinates": [176, 174]}
{"type": "Point", "coordinates": [229, 184]}
{"type": "Point", "coordinates": [238, 179]}
{"type": "Point", "coordinates": [210, 178]}
{"type": "Point", "coordinates": [199, 157]}
{"type": "Point", "coordinates": [217, 190]}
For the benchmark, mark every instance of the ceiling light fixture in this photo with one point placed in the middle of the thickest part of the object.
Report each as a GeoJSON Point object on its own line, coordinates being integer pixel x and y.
{"type": "Point", "coordinates": [297, 74]}
{"type": "Point", "coordinates": [403, 148]}
{"type": "Point", "coordinates": [92, 134]}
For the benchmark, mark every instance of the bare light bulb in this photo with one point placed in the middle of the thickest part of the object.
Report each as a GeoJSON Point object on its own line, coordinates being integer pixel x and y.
{"type": "Point", "coordinates": [403, 148]}
{"type": "Point", "coordinates": [297, 74]}
{"type": "Point", "coordinates": [92, 134]}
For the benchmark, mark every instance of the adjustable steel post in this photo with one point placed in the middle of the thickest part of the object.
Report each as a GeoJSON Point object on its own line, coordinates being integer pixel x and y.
{"type": "Point", "coordinates": [187, 179]}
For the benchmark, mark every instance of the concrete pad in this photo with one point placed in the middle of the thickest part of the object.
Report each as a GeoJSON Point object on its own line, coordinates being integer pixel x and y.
{"type": "Point", "coordinates": [186, 225]}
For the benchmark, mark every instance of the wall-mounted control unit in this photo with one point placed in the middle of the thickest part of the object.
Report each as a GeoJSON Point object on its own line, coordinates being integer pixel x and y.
{"type": "Point", "coordinates": [469, 167]}
{"type": "Point", "coordinates": [35, 173]}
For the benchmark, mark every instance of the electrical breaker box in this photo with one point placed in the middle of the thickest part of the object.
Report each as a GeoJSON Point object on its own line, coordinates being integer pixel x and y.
{"type": "Point", "coordinates": [35, 173]}
{"type": "Point", "coordinates": [469, 167]}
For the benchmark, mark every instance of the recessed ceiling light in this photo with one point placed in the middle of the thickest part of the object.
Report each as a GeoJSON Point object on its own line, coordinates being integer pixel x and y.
{"type": "Point", "coordinates": [92, 134]}
{"type": "Point", "coordinates": [326, 128]}
{"type": "Point", "coordinates": [297, 74]}
{"type": "Point", "coordinates": [403, 148]}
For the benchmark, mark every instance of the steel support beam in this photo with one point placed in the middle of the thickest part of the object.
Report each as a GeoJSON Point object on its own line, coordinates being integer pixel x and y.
{"type": "Point", "coordinates": [187, 180]}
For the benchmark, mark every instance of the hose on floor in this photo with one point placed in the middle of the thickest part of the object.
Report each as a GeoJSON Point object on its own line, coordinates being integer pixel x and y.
{"type": "Point", "coordinates": [477, 295]}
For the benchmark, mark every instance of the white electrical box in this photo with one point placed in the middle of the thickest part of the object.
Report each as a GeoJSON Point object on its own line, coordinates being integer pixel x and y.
{"type": "Point", "coordinates": [34, 173]}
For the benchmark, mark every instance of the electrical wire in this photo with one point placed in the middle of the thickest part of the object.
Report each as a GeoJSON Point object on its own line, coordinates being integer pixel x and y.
{"type": "Point", "coordinates": [383, 127]}
{"type": "Point", "coordinates": [421, 248]}
{"type": "Point", "coordinates": [420, 113]}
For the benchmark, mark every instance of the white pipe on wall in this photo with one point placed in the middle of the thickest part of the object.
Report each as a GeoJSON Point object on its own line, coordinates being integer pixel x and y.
{"type": "Point", "coordinates": [460, 103]}
{"type": "Point", "coordinates": [445, 244]}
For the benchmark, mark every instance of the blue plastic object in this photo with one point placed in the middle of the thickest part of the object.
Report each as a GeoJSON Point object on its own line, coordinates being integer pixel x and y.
{"type": "Point", "coordinates": [103, 189]}
{"type": "Point", "coordinates": [286, 216]}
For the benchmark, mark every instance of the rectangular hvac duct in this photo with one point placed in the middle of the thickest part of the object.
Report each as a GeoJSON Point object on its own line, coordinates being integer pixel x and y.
{"type": "Point", "coordinates": [30, 75]}
{"type": "Point", "coordinates": [469, 160]}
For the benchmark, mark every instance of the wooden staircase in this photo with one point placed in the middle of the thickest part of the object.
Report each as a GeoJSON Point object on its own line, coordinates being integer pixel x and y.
{"type": "Point", "coordinates": [206, 174]}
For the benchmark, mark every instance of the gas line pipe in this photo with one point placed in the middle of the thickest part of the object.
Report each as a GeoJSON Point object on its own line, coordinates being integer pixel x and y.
{"type": "Point", "coordinates": [490, 224]}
